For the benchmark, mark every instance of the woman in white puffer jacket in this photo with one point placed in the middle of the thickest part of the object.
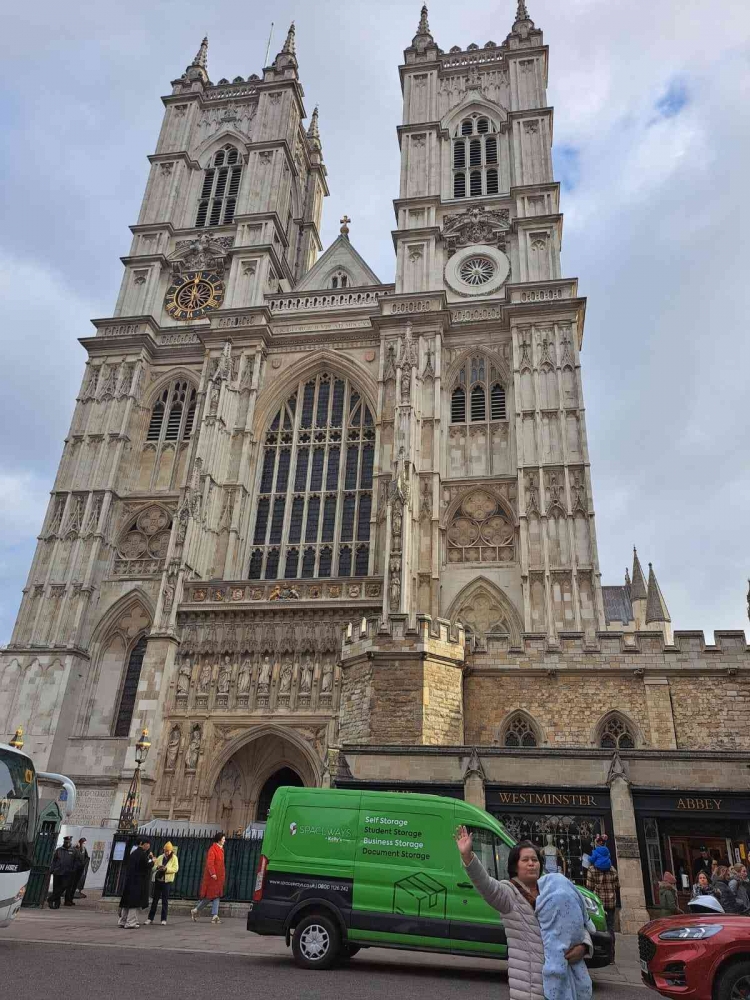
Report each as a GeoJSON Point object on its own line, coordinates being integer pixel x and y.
{"type": "Point", "coordinates": [515, 898]}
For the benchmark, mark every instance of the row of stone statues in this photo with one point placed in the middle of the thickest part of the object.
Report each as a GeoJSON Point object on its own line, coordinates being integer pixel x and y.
{"type": "Point", "coordinates": [200, 681]}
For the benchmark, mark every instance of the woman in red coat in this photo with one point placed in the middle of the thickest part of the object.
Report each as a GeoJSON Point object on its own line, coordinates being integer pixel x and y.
{"type": "Point", "coordinates": [212, 883]}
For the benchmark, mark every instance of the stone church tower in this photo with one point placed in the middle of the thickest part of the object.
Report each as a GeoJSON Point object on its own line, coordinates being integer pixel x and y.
{"type": "Point", "coordinates": [351, 448]}
{"type": "Point", "coordinates": [313, 528]}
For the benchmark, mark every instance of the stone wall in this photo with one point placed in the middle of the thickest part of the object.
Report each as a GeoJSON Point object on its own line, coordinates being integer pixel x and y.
{"type": "Point", "coordinates": [687, 696]}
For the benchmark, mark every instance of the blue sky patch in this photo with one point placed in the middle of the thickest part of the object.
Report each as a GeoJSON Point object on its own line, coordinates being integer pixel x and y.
{"type": "Point", "coordinates": [567, 161]}
{"type": "Point", "coordinates": [673, 100]}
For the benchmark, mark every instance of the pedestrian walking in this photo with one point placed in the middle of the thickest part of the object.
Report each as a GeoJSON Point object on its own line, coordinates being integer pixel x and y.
{"type": "Point", "coordinates": [135, 892]}
{"type": "Point", "coordinates": [83, 864]}
{"type": "Point", "coordinates": [212, 883]}
{"type": "Point", "coordinates": [703, 886]}
{"type": "Point", "coordinates": [166, 867]}
{"type": "Point", "coordinates": [605, 882]}
{"type": "Point", "coordinates": [64, 871]}
{"type": "Point", "coordinates": [516, 898]}
{"type": "Point", "coordinates": [668, 895]}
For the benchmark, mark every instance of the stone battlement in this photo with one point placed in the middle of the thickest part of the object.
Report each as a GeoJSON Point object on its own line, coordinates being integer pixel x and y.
{"type": "Point", "coordinates": [428, 631]}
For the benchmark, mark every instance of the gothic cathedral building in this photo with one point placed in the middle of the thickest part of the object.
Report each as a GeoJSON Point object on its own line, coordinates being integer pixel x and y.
{"type": "Point", "coordinates": [310, 527]}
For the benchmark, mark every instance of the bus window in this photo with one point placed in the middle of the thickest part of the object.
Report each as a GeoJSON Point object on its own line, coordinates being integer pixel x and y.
{"type": "Point", "coordinates": [17, 803]}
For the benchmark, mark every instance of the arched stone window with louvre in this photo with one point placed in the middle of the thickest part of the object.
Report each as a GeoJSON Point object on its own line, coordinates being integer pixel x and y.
{"type": "Point", "coordinates": [169, 429]}
{"type": "Point", "coordinates": [315, 491]}
{"type": "Point", "coordinates": [221, 186]}
{"type": "Point", "coordinates": [478, 393]}
{"type": "Point", "coordinates": [130, 688]}
{"type": "Point", "coordinates": [475, 158]}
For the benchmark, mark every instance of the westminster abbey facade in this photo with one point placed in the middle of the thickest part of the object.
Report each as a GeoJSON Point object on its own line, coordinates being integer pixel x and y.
{"type": "Point", "coordinates": [312, 527]}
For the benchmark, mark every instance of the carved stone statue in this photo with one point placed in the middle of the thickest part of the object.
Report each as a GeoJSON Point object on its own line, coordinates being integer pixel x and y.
{"type": "Point", "coordinates": [306, 677]}
{"type": "Point", "coordinates": [191, 756]}
{"type": "Point", "coordinates": [183, 679]}
{"type": "Point", "coordinates": [225, 676]}
{"type": "Point", "coordinates": [204, 679]}
{"type": "Point", "coordinates": [245, 678]}
{"type": "Point", "coordinates": [285, 682]}
{"type": "Point", "coordinates": [327, 681]}
{"type": "Point", "coordinates": [265, 673]}
{"type": "Point", "coordinates": [173, 747]}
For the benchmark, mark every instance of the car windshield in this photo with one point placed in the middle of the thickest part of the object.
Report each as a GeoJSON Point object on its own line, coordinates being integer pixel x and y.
{"type": "Point", "coordinates": [491, 850]}
{"type": "Point", "coordinates": [17, 803]}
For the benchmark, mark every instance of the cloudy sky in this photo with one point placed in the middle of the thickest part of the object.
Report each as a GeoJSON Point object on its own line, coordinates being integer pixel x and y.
{"type": "Point", "coordinates": [651, 147]}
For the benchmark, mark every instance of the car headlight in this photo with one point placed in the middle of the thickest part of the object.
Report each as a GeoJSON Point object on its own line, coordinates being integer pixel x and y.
{"type": "Point", "coordinates": [695, 932]}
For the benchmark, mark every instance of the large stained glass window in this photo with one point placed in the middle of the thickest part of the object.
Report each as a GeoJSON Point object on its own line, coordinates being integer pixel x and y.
{"type": "Point", "coordinates": [315, 494]}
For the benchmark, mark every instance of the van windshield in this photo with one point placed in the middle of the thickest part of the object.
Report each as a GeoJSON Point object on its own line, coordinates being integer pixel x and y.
{"type": "Point", "coordinates": [491, 850]}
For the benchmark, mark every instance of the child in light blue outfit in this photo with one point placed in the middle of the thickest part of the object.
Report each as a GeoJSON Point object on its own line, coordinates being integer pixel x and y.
{"type": "Point", "coordinates": [562, 917]}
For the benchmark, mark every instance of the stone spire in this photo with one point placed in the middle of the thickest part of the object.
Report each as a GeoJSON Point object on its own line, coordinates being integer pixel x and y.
{"type": "Point", "coordinates": [289, 46]}
{"type": "Point", "coordinates": [285, 63]}
{"type": "Point", "coordinates": [656, 607]}
{"type": "Point", "coordinates": [201, 56]}
{"type": "Point", "coordinates": [522, 13]}
{"type": "Point", "coordinates": [423, 38]}
{"type": "Point", "coordinates": [523, 26]}
{"type": "Point", "coordinates": [638, 590]}
{"type": "Point", "coordinates": [313, 133]}
{"type": "Point", "coordinates": [198, 68]}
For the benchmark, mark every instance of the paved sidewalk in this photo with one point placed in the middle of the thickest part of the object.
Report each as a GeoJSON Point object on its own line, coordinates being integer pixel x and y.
{"type": "Point", "coordinates": [88, 926]}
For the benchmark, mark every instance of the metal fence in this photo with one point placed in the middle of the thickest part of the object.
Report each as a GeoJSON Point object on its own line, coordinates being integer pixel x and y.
{"type": "Point", "coordinates": [241, 857]}
{"type": "Point", "coordinates": [44, 847]}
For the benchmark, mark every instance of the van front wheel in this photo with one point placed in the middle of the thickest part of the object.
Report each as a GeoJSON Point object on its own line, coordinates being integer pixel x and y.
{"type": "Point", "coordinates": [316, 943]}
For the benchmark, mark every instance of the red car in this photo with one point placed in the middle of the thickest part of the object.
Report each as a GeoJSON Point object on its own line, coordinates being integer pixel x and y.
{"type": "Point", "coordinates": [702, 956]}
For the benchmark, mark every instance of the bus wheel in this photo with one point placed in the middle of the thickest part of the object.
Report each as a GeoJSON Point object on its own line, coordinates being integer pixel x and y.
{"type": "Point", "coordinates": [316, 943]}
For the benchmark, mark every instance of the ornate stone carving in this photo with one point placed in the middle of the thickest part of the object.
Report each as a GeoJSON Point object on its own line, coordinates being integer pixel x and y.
{"type": "Point", "coordinates": [326, 684]}
{"type": "Point", "coordinates": [225, 677]}
{"type": "Point", "coordinates": [476, 225]}
{"type": "Point", "coordinates": [173, 748]}
{"type": "Point", "coordinates": [184, 676]}
{"type": "Point", "coordinates": [194, 747]}
{"type": "Point", "coordinates": [480, 531]}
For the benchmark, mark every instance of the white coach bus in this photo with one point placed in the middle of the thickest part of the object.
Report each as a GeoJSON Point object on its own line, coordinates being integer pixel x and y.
{"type": "Point", "coordinates": [19, 808]}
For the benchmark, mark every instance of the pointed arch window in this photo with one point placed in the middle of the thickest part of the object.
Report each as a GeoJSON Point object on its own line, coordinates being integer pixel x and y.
{"type": "Point", "coordinates": [340, 279]}
{"type": "Point", "coordinates": [519, 732]}
{"type": "Point", "coordinates": [130, 688]}
{"type": "Point", "coordinates": [480, 379]}
{"type": "Point", "coordinates": [315, 492]}
{"type": "Point", "coordinates": [475, 146]}
{"type": "Point", "coordinates": [221, 186]}
{"type": "Point", "coordinates": [169, 429]}
{"type": "Point", "coordinates": [616, 734]}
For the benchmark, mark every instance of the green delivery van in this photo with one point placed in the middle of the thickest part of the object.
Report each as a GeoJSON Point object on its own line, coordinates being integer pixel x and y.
{"type": "Point", "coordinates": [343, 869]}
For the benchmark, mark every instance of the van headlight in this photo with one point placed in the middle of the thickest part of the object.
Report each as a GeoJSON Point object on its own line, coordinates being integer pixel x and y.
{"type": "Point", "coordinates": [590, 904]}
{"type": "Point", "coordinates": [695, 932]}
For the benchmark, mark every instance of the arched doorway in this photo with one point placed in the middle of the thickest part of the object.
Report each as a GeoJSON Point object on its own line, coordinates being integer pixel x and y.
{"type": "Point", "coordinates": [246, 781]}
{"type": "Point", "coordinates": [284, 776]}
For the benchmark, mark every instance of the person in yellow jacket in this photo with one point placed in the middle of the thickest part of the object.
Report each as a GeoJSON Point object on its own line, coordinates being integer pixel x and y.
{"type": "Point", "coordinates": [165, 869]}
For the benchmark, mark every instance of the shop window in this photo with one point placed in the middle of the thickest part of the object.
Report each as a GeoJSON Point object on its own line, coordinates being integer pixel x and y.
{"type": "Point", "coordinates": [573, 835]}
{"type": "Point", "coordinates": [616, 734]}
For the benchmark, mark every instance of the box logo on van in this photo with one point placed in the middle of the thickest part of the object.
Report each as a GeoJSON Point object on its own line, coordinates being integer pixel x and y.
{"type": "Point", "coordinates": [293, 828]}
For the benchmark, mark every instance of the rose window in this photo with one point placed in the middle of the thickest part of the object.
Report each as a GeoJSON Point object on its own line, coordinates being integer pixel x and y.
{"type": "Point", "coordinates": [480, 531]}
{"type": "Point", "coordinates": [476, 270]}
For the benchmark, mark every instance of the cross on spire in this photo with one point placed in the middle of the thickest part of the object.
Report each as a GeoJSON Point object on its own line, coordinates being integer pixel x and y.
{"type": "Point", "coordinates": [345, 226]}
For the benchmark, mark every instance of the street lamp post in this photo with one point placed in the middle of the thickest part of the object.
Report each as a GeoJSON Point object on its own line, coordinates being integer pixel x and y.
{"type": "Point", "coordinates": [131, 807]}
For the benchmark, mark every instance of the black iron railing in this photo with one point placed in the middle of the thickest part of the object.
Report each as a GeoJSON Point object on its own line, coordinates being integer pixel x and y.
{"type": "Point", "coordinates": [241, 856]}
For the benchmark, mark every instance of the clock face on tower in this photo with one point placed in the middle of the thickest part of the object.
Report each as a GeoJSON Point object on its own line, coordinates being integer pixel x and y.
{"type": "Point", "coordinates": [195, 294]}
